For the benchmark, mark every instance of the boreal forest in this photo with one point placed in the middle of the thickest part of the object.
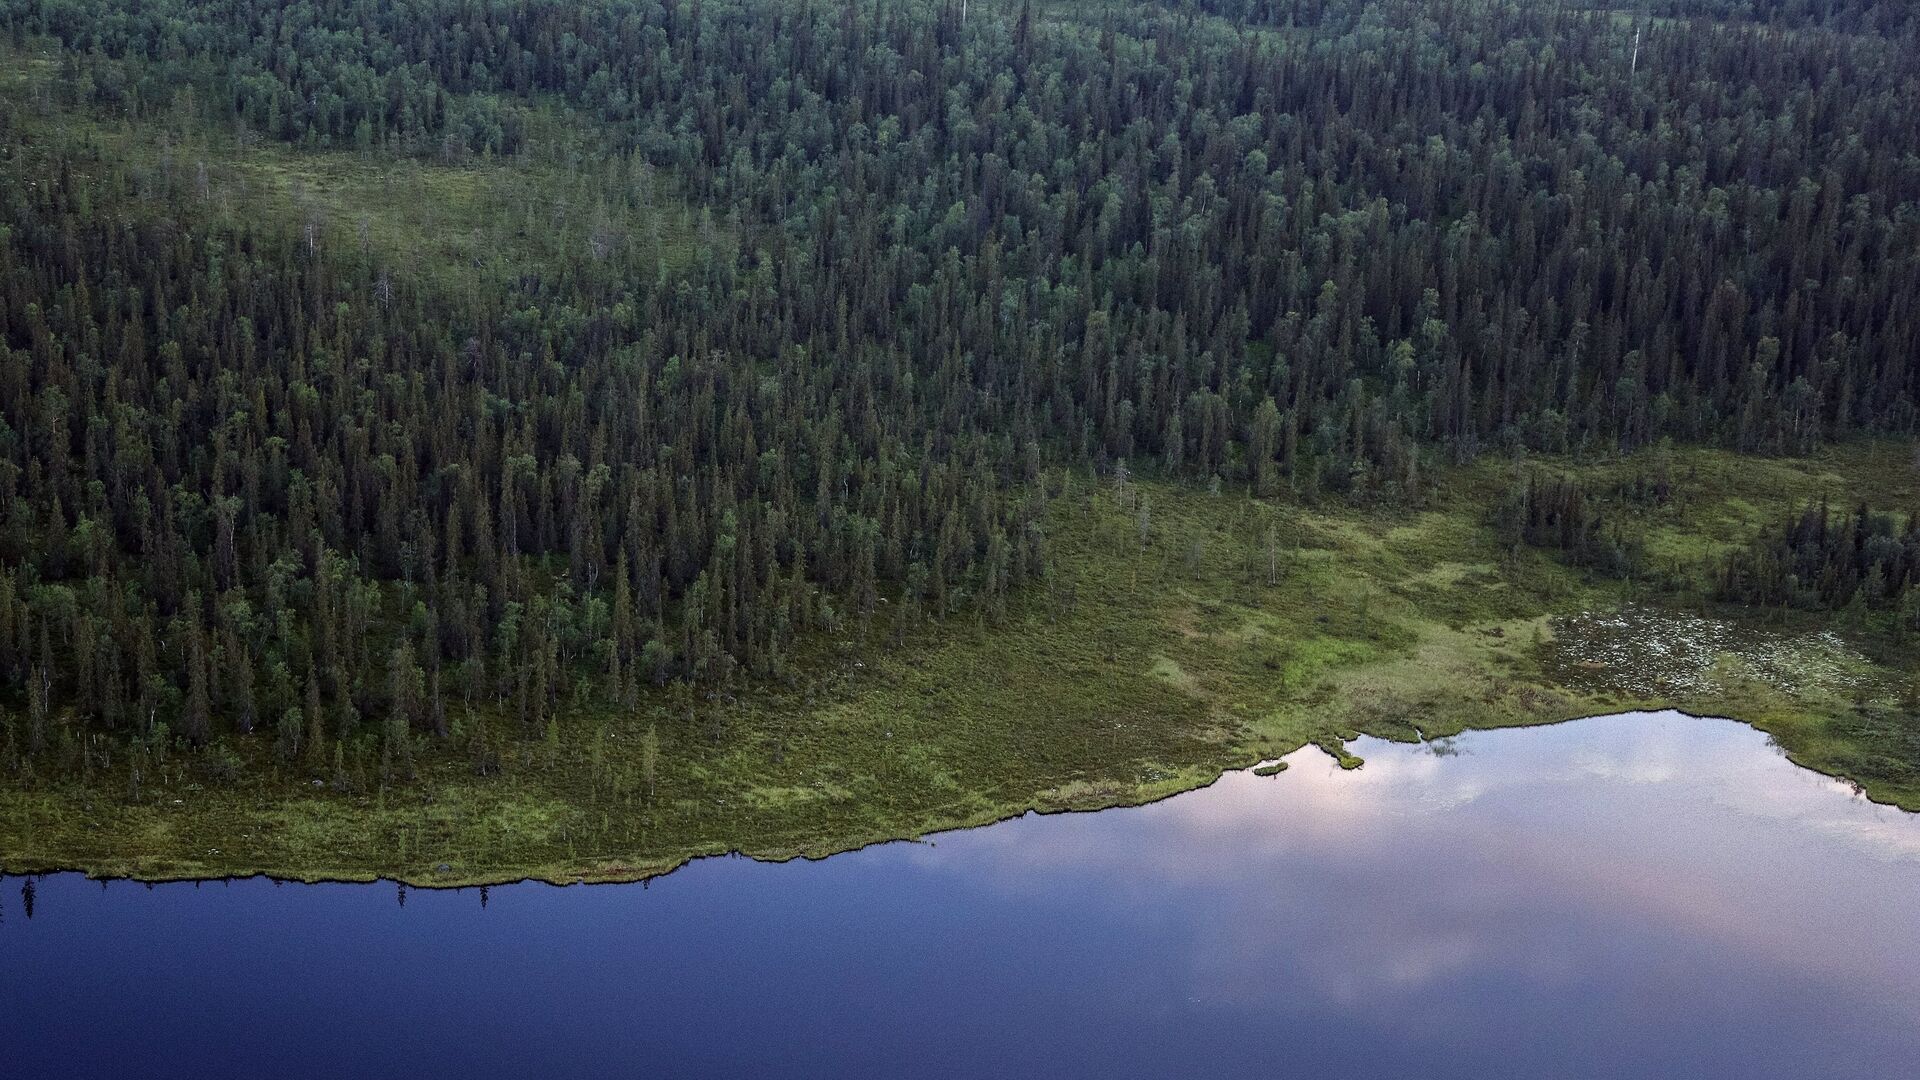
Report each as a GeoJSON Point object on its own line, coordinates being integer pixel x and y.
{"type": "Point", "coordinates": [533, 405]}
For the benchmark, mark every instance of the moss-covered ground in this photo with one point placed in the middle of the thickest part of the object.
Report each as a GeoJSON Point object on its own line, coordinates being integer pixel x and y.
{"type": "Point", "coordinates": [1223, 631]}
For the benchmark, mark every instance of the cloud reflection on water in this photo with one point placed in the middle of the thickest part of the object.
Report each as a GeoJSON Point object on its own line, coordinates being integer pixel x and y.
{"type": "Point", "coordinates": [1380, 885]}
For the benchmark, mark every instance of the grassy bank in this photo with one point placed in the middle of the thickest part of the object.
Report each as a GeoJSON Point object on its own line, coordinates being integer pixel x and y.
{"type": "Point", "coordinates": [1181, 633]}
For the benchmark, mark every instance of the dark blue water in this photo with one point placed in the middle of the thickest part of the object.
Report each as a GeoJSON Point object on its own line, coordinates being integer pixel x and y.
{"type": "Point", "coordinates": [1641, 896]}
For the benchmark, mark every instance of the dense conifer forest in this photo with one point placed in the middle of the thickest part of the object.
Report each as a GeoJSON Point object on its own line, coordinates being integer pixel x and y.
{"type": "Point", "coordinates": [262, 480]}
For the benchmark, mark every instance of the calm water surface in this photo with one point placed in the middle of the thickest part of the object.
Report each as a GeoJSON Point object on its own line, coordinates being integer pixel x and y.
{"type": "Point", "coordinates": [1637, 896]}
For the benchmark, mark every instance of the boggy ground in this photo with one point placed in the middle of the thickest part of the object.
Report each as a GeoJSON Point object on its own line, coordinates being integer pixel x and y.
{"type": "Point", "coordinates": [1182, 633]}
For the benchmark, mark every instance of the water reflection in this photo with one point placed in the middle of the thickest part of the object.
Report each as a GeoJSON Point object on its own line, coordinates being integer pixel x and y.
{"type": "Point", "coordinates": [1429, 865]}
{"type": "Point", "coordinates": [1650, 895]}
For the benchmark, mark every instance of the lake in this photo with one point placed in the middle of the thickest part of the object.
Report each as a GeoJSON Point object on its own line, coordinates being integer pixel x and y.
{"type": "Point", "coordinates": [1649, 895]}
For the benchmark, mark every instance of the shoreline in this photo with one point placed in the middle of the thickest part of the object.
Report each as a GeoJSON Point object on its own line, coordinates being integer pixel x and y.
{"type": "Point", "coordinates": [1124, 678]}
